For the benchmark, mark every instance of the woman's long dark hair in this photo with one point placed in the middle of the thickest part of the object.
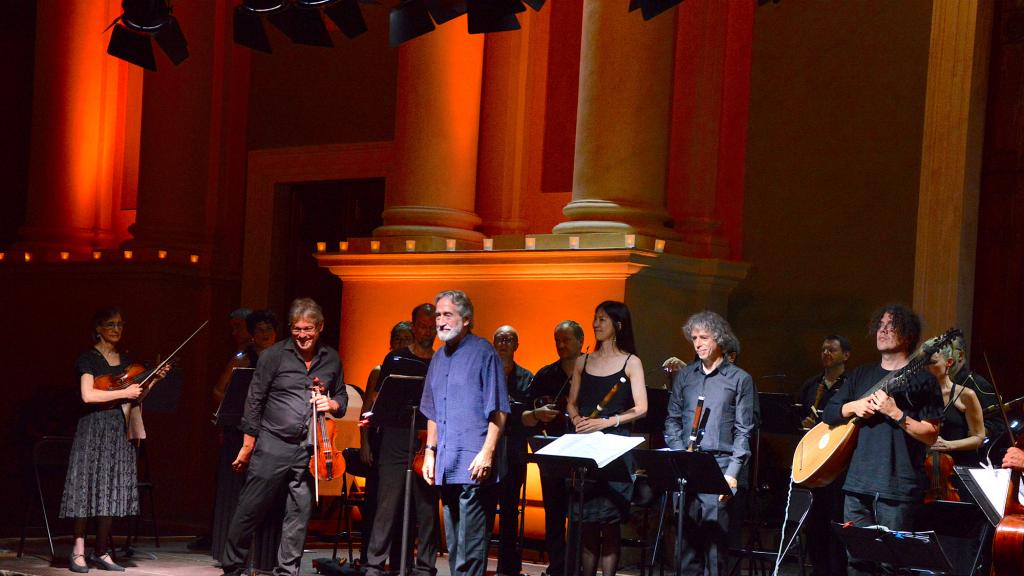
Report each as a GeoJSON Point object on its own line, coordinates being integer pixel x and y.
{"type": "Point", "coordinates": [622, 322]}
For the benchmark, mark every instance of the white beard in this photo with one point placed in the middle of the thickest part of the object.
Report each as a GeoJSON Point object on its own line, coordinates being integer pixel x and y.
{"type": "Point", "coordinates": [451, 334]}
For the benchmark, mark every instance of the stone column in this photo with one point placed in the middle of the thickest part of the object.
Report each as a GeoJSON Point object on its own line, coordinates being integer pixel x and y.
{"type": "Point", "coordinates": [432, 190]}
{"type": "Point", "coordinates": [622, 130]}
{"type": "Point", "coordinates": [193, 139]}
{"type": "Point", "coordinates": [947, 212]}
{"type": "Point", "coordinates": [84, 114]}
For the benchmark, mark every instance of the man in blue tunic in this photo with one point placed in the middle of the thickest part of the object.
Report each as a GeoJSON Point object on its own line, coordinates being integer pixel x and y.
{"type": "Point", "coordinates": [465, 401]}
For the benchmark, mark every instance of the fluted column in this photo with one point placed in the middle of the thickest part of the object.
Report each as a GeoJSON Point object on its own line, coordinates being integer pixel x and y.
{"type": "Point", "coordinates": [84, 113]}
{"type": "Point", "coordinates": [432, 190]}
{"type": "Point", "coordinates": [622, 130]}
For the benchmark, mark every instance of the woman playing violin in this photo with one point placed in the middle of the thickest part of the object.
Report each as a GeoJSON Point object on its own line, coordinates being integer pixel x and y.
{"type": "Point", "coordinates": [101, 472]}
{"type": "Point", "coordinates": [963, 426]}
{"type": "Point", "coordinates": [607, 393]}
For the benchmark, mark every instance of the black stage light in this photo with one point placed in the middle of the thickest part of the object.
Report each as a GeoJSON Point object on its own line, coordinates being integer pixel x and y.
{"type": "Point", "coordinates": [493, 15]}
{"type": "Point", "coordinates": [347, 16]}
{"type": "Point", "coordinates": [651, 8]}
{"type": "Point", "coordinates": [306, 26]}
{"type": "Point", "coordinates": [444, 10]}
{"type": "Point", "coordinates": [248, 22]}
{"type": "Point", "coordinates": [141, 20]}
{"type": "Point", "coordinates": [407, 21]}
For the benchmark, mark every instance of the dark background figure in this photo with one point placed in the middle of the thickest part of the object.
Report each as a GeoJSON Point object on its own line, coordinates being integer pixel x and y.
{"type": "Point", "coordinates": [277, 412]}
{"type": "Point", "coordinates": [262, 325]}
{"type": "Point", "coordinates": [465, 402]}
{"type": "Point", "coordinates": [369, 447]}
{"type": "Point", "coordinates": [885, 482]}
{"type": "Point", "coordinates": [550, 388]}
{"type": "Point", "coordinates": [730, 400]}
{"type": "Point", "coordinates": [520, 400]}
{"type": "Point", "coordinates": [391, 417]}
{"type": "Point", "coordinates": [102, 474]}
{"type": "Point", "coordinates": [827, 553]}
{"type": "Point", "coordinates": [608, 392]}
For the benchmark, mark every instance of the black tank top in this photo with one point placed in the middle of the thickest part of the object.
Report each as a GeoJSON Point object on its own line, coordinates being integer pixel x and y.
{"type": "Point", "coordinates": [593, 389]}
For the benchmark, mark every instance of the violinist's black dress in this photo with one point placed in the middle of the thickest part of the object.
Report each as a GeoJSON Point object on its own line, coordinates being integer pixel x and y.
{"type": "Point", "coordinates": [101, 471]}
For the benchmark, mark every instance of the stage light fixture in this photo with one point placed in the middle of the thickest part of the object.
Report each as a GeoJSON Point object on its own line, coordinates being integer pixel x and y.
{"type": "Point", "coordinates": [444, 10]}
{"type": "Point", "coordinates": [408, 20]}
{"type": "Point", "coordinates": [140, 22]}
{"type": "Point", "coordinates": [347, 16]}
{"type": "Point", "coordinates": [651, 8]}
{"type": "Point", "coordinates": [493, 15]}
{"type": "Point", "coordinates": [248, 22]}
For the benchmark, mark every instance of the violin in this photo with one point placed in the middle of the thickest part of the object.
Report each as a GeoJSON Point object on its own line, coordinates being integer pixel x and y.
{"type": "Point", "coordinates": [326, 461]}
{"type": "Point", "coordinates": [133, 374]}
{"type": "Point", "coordinates": [939, 467]}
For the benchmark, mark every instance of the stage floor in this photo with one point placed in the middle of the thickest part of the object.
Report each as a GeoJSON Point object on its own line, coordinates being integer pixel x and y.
{"type": "Point", "coordinates": [173, 558]}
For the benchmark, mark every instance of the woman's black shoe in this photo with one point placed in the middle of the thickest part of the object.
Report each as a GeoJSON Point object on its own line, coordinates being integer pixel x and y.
{"type": "Point", "coordinates": [75, 567]}
{"type": "Point", "coordinates": [104, 565]}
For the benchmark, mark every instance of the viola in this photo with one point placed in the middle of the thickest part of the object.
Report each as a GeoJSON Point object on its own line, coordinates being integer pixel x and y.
{"type": "Point", "coordinates": [939, 467]}
{"type": "Point", "coordinates": [326, 461]}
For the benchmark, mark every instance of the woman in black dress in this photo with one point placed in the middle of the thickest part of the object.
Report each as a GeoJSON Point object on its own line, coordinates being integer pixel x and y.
{"type": "Point", "coordinates": [607, 393]}
{"type": "Point", "coordinates": [101, 471]}
{"type": "Point", "coordinates": [963, 423]}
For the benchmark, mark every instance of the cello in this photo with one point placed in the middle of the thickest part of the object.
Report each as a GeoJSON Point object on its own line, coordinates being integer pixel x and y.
{"type": "Point", "coordinates": [1008, 540]}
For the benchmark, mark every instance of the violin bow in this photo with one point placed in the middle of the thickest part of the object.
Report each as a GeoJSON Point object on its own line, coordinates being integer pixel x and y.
{"type": "Point", "coordinates": [171, 355]}
{"type": "Point", "coordinates": [999, 400]}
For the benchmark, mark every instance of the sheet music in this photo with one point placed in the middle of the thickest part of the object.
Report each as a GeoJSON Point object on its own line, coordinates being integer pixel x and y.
{"type": "Point", "coordinates": [993, 483]}
{"type": "Point", "coordinates": [597, 446]}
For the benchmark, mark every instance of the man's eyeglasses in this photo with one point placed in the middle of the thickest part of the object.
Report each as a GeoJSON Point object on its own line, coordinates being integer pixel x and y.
{"type": "Point", "coordinates": [308, 330]}
{"type": "Point", "coordinates": [504, 339]}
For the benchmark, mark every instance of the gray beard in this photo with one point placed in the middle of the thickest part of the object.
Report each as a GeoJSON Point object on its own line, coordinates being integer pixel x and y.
{"type": "Point", "coordinates": [450, 334]}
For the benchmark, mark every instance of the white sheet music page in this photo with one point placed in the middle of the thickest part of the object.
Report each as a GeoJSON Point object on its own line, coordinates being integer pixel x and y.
{"type": "Point", "coordinates": [597, 446]}
{"type": "Point", "coordinates": [993, 483]}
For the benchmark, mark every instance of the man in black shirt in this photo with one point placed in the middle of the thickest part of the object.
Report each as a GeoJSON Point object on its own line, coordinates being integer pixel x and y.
{"type": "Point", "coordinates": [391, 414]}
{"type": "Point", "coordinates": [823, 547]}
{"type": "Point", "coordinates": [885, 482]}
{"type": "Point", "coordinates": [517, 380]}
{"type": "Point", "coordinates": [278, 411]}
{"type": "Point", "coordinates": [729, 399]}
{"type": "Point", "coordinates": [551, 386]}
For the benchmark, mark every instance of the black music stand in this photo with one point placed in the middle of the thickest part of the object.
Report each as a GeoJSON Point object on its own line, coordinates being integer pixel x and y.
{"type": "Point", "coordinates": [402, 400]}
{"type": "Point", "coordinates": [680, 471]}
{"type": "Point", "coordinates": [232, 406]}
{"type": "Point", "coordinates": [577, 470]}
{"type": "Point", "coordinates": [911, 550]}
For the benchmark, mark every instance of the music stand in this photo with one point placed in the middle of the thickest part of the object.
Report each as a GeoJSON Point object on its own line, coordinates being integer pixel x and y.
{"type": "Point", "coordinates": [577, 470]}
{"type": "Point", "coordinates": [680, 471]}
{"type": "Point", "coordinates": [232, 406]}
{"type": "Point", "coordinates": [911, 550]}
{"type": "Point", "coordinates": [401, 401]}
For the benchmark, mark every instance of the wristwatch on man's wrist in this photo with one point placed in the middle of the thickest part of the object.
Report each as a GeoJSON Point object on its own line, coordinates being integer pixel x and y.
{"type": "Point", "coordinates": [902, 421]}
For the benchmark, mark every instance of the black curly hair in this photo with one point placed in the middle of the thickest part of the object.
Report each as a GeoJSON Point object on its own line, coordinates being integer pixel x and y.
{"type": "Point", "coordinates": [905, 321]}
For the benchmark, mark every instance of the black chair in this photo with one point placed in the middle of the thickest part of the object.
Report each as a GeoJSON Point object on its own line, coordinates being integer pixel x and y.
{"type": "Point", "coordinates": [796, 514]}
{"type": "Point", "coordinates": [50, 456]}
{"type": "Point", "coordinates": [354, 467]}
{"type": "Point", "coordinates": [146, 490]}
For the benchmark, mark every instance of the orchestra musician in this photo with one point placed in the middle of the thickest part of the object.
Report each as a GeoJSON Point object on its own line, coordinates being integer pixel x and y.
{"type": "Point", "coordinates": [262, 325]}
{"type": "Point", "coordinates": [392, 434]}
{"type": "Point", "coordinates": [823, 547]}
{"type": "Point", "coordinates": [963, 425]}
{"type": "Point", "coordinates": [551, 388]}
{"type": "Point", "coordinates": [369, 445]}
{"type": "Point", "coordinates": [465, 402]}
{"type": "Point", "coordinates": [607, 394]}
{"type": "Point", "coordinates": [277, 413]}
{"type": "Point", "coordinates": [730, 400]}
{"type": "Point", "coordinates": [101, 477]}
{"type": "Point", "coordinates": [885, 482]}
{"type": "Point", "coordinates": [518, 382]}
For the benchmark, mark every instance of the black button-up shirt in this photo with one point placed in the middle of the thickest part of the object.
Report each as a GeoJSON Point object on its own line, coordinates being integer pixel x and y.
{"type": "Point", "coordinates": [729, 396]}
{"type": "Point", "coordinates": [519, 400]}
{"type": "Point", "coordinates": [279, 395]}
{"type": "Point", "coordinates": [809, 392]}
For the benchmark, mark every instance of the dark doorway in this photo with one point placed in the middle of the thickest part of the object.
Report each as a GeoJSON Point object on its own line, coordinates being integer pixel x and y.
{"type": "Point", "coordinates": [310, 212]}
